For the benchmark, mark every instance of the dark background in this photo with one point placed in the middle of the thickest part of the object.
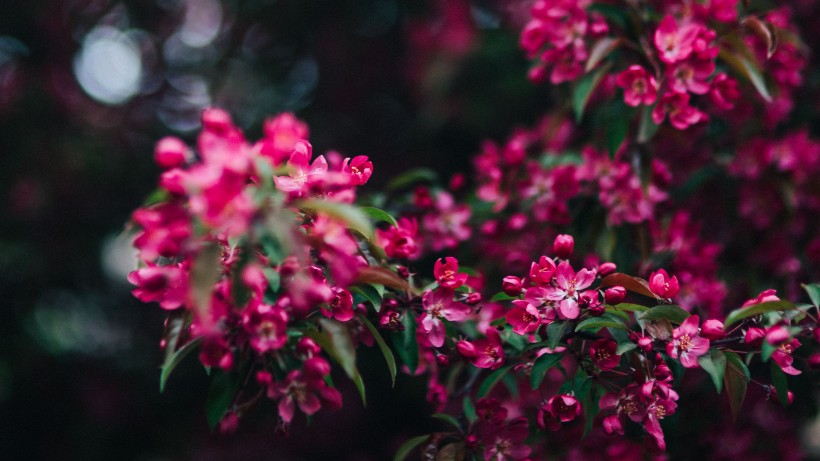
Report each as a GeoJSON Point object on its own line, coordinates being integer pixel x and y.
{"type": "Point", "coordinates": [408, 83]}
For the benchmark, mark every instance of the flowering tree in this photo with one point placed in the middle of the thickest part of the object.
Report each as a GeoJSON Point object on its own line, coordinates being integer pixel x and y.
{"type": "Point", "coordinates": [566, 285]}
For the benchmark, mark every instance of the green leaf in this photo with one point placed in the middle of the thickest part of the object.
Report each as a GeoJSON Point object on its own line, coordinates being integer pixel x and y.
{"type": "Point", "coordinates": [449, 419]}
{"type": "Point", "coordinates": [224, 387]}
{"type": "Point", "coordinates": [455, 451]}
{"type": "Point", "coordinates": [617, 117]}
{"type": "Point", "coordinates": [607, 320]}
{"type": "Point", "coordinates": [409, 446]}
{"type": "Point", "coordinates": [556, 331]}
{"type": "Point", "coordinates": [633, 284]}
{"type": "Point", "coordinates": [625, 347]}
{"type": "Point", "coordinates": [368, 293]}
{"type": "Point", "coordinates": [540, 367]}
{"type": "Point", "coordinates": [631, 307]}
{"type": "Point", "coordinates": [405, 342]}
{"type": "Point", "coordinates": [378, 215]}
{"type": "Point", "coordinates": [748, 69]}
{"type": "Point", "coordinates": [647, 127]}
{"type": "Point", "coordinates": [714, 363]}
{"type": "Point", "coordinates": [490, 381]}
{"type": "Point", "coordinates": [273, 277]}
{"type": "Point", "coordinates": [205, 272]}
{"type": "Point", "coordinates": [353, 217]}
{"type": "Point", "coordinates": [766, 350]}
{"type": "Point", "coordinates": [411, 177]}
{"type": "Point", "coordinates": [386, 352]}
{"type": "Point", "coordinates": [359, 382]}
{"type": "Point", "coordinates": [469, 409]}
{"type": "Point", "coordinates": [780, 384]}
{"type": "Point", "coordinates": [600, 50]}
{"type": "Point", "coordinates": [172, 361]}
{"type": "Point", "coordinates": [735, 380]}
{"type": "Point", "coordinates": [584, 88]}
{"type": "Point", "coordinates": [672, 313]}
{"type": "Point", "coordinates": [336, 341]}
{"type": "Point", "coordinates": [502, 297]}
{"type": "Point", "coordinates": [813, 289]}
{"type": "Point", "coordinates": [756, 309]}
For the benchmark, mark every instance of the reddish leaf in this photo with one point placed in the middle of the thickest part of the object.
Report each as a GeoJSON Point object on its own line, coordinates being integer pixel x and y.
{"type": "Point", "coordinates": [600, 50]}
{"type": "Point", "coordinates": [765, 30]}
{"type": "Point", "coordinates": [381, 276]}
{"type": "Point", "coordinates": [633, 284]}
{"type": "Point", "coordinates": [735, 380]}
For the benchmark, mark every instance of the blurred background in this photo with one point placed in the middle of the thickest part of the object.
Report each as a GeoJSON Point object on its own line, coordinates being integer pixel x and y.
{"type": "Point", "coordinates": [87, 87]}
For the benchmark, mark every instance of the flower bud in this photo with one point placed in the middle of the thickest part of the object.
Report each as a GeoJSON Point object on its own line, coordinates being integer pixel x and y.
{"type": "Point", "coordinates": [307, 347]}
{"type": "Point", "coordinates": [754, 336]}
{"type": "Point", "coordinates": [606, 268]}
{"type": "Point", "coordinates": [777, 335]}
{"type": "Point", "coordinates": [442, 360]}
{"type": "Point", "coordinates": [403, 272]}
{"type": "Point", "coordinates": [615, 295]}
{"type": "Point", "coordinates": [814, 360]}
{"type": "Point", "coordinates": [170, 152]}
{"type": "Point", "coordinates": [466, 349]}
{"type": "Point", "coordinates": [563, 246]}
{"type": "Point", "coordinates": [712, 329]}
{"type": "Point", "coordinates": [511, 285]}
{"type": "Point", "coordinates": [473, 298]}
{"type": "Point", "coordinates": [216, 120]}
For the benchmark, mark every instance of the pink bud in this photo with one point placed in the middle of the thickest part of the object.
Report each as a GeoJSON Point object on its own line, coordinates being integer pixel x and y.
{"type": "Point", "coordinates": [308, 347]}
{"type": "Point", "coordinates": [754, 336]}
{"type": "Point", "coordinates": [442, 360]}
{"type": "Point", "coordinates": [563, 246]}
{"type": "Point", "coordinates": [216, 120]}
{"type": "Point", "coordinates": [473, 298]}
{"type": "Point", "coordinates": [612, 425]}
{"type": "Point", "coordinates": [712, 329]}
{"type": "Point", "coordinates": [814, 360]}
{"type": "Point", "coordinates": [606, 268]}
{"type": "Point", "coordinates": [170, 152]}
{"type": "Point", "coordinates": [777, 335]}
{"type": "Point", "coordinates": [615, 295]}
{"type": "Point", "coordinates": [317, 367]}
{"type": "Point", "coordinates": [511, 285]}
{"type": "Point", "coordinates": [466, 349]}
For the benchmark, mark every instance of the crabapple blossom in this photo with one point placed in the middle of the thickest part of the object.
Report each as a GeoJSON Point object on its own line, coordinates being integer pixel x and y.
{"type": "Point", "coordinates": [687, 344]}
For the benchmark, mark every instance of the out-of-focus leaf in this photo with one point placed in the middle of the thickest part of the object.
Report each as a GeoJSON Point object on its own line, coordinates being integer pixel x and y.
{"type": "Point", "coordinates": [469, 410]}
{"type": "Point", "coordinates": [335, 340]}
{"type": "Point", "coordinates": [614, 13]}
{"type": "Point", "coordinates": [813, 289]}
{"type": "Point", "coordinates": [352, 216]}
{"type": "Point", "coordinates": [749, 70]}
{"type": "Point", "coordinates": [633, 284]}
{"type": "Point", "coordinates": [674, 314]}
{"type": "Point", "coordinates": [175, 359]}
{"type": "Point", "coordinates": [607, 320]}
{"type": "Point", "coordinates": [658, 329]}
{"type": "Point", "coordinates": [647, 127]}
{"type": "Point", "coordinates": [405, 343]}
{"type": "Point", "coordinates": [452, 452]}
{"type": "Point", "coordinates": [490, 381]}
{"type": "Point", "coordinates": [765, 30]}
{"type": "Point", "coordinates": [780, 384]}
{"type": "Point", "coordinates": [766, 351]}
{"type": "Point", "coordinates": [735, 379]}
{"type": "Point", "coordinates": [600, 50]}
{"type": "Point", "coordinates": [502, 297]}
{"type": "Point", "coordinates": [756, 309]}
{"type": "Point", "coordinates": [411, 177]}
{"type": "Point", "coordinates": [617, 117]}
{"type": "Point", "coordinates": [409, 446]}
{"type": "Point", "coordinates": [388, 354]}
{"type": "Point", "coordinates": [381, 276]}
{"type": "Point", "coordinates": [629, 307]}
{"type": "Point", "coordinates": [540, 367]}
{"type": "Point", "coordinates": [625, 347]}
{"type": "Point", "coordinates": [220, 396]}
{"type": "Point", "coordinates": [584, 89]}
{"type": "Point", "coordinates": [714, 363]}
{"type": "Point", "coordinates": [449, 419]}
{"type": "Point", "coordinates": [205, 272]}
{"type": "Point", "coordinates": [378, 215]}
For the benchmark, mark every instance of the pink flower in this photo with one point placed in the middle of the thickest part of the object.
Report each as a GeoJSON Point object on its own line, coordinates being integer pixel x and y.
{"type": "Point", "coordinates": [567, 286]}
{"type": "Point", "coordinates": [400, 241]}
{"type": "Point", "coordinates": [438, 305]}
{"type": "Point", "coordinates": [302, 173]}
{"type": "Point", "coordinates": [681, 114]}
{"type": "Point", "coordinates": [639, 86]}
{"type": "Point", "coordinates": [691, 76]}
{"type": "Point", "coordinates": [686, 343]}
{"type": "Point", "coordinates": [266, 325]}
{"type": "Point", "coordinates": [558, 409]}
{"type": "Point", "coordinates": [281, 135]}
{"type": "Point", "coordinates": [523, 317]}
{"type": "Point", "coordinates": [358, 168]}
{"type": "Point", "coordinates": [782, 356]}
{"type": "Point", "coordinates": [483, 353]}
{"type": "Point", "coordinates": [340, 307]}
{"type": "Point", "coordinates": [541, 273]}
{"type": "Point", "coordinates": [674, 43]}
{"type": "Point", "coordinates": [662, 285]}
{"type": "Point", "coordinates": [603, 354]}
{"type": "Point", "coordinates": [447, 274]}
{"type": "Point", "coordinates": [724, 91]}
{"type": "Point", "coordinates": [764, 297]}
{"type": "Point", "coordinates": [167, 285]}
{"type": "Point", "coordinates": [306, 389]}
{"type": "Point", "coordinates": [170, 152]}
